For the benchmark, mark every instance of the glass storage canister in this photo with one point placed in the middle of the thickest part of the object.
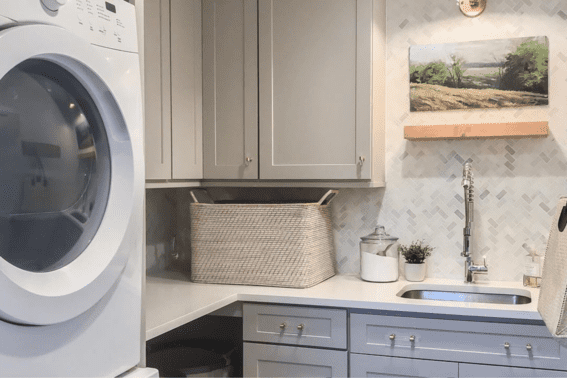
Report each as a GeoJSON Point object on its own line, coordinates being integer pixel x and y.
{"type": "Point", "coordinates": [379, 256]}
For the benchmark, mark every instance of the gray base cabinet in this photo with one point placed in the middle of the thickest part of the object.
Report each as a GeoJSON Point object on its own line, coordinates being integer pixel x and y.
{"type": "Point", "coordinates": [287, 341]}
{"type": "Point", "coordinates": [362, 365]}
{"type": "Point", "coordinates": [262, 360]}
{"type": "Point", "coordinates": [304, 341]}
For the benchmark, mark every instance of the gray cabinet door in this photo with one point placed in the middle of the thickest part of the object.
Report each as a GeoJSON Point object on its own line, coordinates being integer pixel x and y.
{"type": "Point", "coordinates": [315, 86]}
{"type": "Point", "coordinates": [362, 365]}
{"type": "Point", "coordinates": [186, 90]}
{"type": "Point", "coordinates": [230, 89]}
{"type": "Point", "coordinates": [261, 360]}
{"type": "Point", "coordinates": [157, 109]}
{"type": "Point", "coordinates": [173, 89]}
{"type": "Point", "coordinates": [478, 371]}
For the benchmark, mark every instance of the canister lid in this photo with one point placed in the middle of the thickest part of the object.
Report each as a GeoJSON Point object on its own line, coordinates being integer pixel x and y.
{"type": "Point", "coordinates": [379, 234]}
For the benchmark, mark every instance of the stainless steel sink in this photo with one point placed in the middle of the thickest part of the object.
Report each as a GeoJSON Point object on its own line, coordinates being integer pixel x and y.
{"type": "Point", "coordinates": [466, 294]}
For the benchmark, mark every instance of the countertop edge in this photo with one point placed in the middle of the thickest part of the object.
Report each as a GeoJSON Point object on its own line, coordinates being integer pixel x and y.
{"type": "Point", "coordinates": [190, 316]}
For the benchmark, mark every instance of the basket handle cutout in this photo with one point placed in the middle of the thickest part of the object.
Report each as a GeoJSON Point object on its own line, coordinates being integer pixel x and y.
{"type": "Point", "coordinates": [327, 198]}
{"type": "Point", "coordinates": [203, 194]}
{"type": "Point", "coordinates": [562, 222]}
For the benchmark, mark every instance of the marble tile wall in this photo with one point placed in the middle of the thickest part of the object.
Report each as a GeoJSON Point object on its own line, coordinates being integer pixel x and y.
{"type": "Point", "coordinates": [518, 182]}
{"type": "Point", "coordinates": [161, 228]}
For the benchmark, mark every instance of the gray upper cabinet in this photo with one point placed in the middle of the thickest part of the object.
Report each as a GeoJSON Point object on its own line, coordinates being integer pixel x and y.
{"type": "Point", "coordinates": [230, 90]}
{"type": "Point", "coordinates": [294, 79]}
{"type": "Point", "coordinates": [157, 110]}
{"type": "Point", "coordinates": [173, 89]}
{"type": "Point", "coordinates": [315, 60]}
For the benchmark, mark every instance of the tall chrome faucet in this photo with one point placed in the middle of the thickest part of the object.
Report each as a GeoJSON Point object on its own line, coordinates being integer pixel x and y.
{"type": "Point", "coordinates": [470, 267]}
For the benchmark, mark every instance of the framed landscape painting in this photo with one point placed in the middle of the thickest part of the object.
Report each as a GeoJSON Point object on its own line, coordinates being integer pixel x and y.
{"type": "Point", "coordinates": [481, 74]}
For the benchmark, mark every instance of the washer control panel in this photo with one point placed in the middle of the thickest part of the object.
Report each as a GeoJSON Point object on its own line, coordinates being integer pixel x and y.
{"type": "Point", "coordinates": [106, 23]}
{"type": "Point", "coordinates": [109, 21]}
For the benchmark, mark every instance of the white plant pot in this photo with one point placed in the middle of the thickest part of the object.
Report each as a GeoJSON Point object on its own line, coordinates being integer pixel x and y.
{"type": "Point", "coordinates": [415, 272]}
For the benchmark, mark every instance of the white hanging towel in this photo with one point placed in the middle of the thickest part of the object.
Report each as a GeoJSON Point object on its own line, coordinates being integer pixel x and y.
{"type": "Point", "coordinates": [553, 293]}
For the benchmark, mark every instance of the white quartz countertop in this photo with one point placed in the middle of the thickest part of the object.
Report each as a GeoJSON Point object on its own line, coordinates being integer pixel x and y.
{"type": "Point", "coordinates": [171, 300]}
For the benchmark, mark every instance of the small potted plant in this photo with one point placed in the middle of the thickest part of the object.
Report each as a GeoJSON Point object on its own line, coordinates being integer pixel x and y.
{"type": "Point", "coordinates": [415, 255]}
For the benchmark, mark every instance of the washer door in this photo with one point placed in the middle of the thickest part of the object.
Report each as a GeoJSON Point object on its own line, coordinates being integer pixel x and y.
{"type": "Point", "coordinates": [66, 176]}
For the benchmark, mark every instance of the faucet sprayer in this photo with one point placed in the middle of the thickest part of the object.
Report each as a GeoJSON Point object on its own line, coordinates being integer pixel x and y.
{"type": "Point", "coordinates": [468, 185]}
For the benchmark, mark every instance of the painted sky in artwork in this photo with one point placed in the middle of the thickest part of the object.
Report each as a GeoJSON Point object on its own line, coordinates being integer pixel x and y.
{"type": "Point", "coordinates": [491, 51]}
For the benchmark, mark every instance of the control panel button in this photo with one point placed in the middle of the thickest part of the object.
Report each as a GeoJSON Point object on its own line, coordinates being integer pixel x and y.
{"type": "Point", "coordinates": [92, 24]}
{"type": "Point", "coordinates": [53, 5]}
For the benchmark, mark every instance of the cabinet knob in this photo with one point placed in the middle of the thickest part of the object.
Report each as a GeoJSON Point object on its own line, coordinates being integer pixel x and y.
{"type": "Point", "coordinates": [507, 345]}
{"type": "Point", "coordinates": [282, 326]}
{"type": "Point", "coordinates": [361, 160]}
{"type": "Point", "coordinates": [248, 160]}
{"type": "Point", "coordinates": [412, 338]}
{"type": "Point", "coordinates": [392, 336]}
{"type": "Point", "coordinates": [529, 346]}
{"type": "Point", "coordinates": [300, 327]}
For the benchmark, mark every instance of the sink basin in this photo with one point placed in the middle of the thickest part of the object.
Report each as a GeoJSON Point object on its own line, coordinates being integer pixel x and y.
{"type": "Point", "coordinates": [466, 294]}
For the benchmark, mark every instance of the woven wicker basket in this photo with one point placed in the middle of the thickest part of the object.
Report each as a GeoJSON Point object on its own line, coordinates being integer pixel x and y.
{"type": "Point", "coordinates": [286, 245]}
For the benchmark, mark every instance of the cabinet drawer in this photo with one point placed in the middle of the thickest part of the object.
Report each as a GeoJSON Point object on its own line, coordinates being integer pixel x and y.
{"type": "Point", "coordinates": [478, 371]}
{"type": "Point", "coordinates": [306, 326]}
{"type": "Point", "coordinates": [453, 340]}
{"type": "Point", "coordinates": [262, 360]}
{"type": "Point", "coordinates": [362, 365]}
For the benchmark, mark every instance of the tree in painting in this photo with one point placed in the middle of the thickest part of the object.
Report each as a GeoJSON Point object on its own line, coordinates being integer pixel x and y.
{"type": "Point", "coordinates": [526, 68]}
{"type": "Point", "coordinates": [456, 70]}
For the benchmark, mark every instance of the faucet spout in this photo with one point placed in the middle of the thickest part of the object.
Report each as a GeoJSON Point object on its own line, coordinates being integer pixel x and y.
{"type": "Point", "coordinates": [468, 186]}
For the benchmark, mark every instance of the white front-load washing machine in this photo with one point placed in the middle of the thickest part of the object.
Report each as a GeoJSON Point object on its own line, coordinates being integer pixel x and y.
{"type": "Point", "coordinates": [71, 188]}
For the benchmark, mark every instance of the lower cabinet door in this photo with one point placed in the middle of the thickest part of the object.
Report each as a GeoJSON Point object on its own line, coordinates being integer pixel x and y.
{"type": "Point", "coordinates": [363, 365]}
{"type": "Point", "coordinates": [261, 360]}
{"type": "Point", "coordinates": [480, 371]}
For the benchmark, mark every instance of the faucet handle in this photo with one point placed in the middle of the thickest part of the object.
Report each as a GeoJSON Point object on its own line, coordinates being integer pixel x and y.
{"type": "Point", "coordinates": [482, 269]}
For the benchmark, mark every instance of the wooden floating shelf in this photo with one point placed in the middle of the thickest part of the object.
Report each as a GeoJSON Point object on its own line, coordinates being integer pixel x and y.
{"type": "Point", "coordinates": [478, 131]}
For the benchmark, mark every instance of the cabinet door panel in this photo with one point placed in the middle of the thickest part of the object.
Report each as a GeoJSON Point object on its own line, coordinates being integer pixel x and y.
{"type": "Point", "coordinates": [230, 91]}
{"type": "Point", "coordinates": [157, 111]}
{"type": "Point", "coordinates": [261, 360]}
{"type": "Point", "coordinates": [315, 88]}
{"type": "Point", "coordinates": [478, 371]}
{"type": "Point", "coordinates": [186, 90]}
{"type": "Point", "coordinates": [362, 365]}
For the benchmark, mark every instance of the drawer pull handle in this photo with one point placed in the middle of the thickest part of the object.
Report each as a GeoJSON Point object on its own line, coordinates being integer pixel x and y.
{"type": "Point", "coordinates": [529, 346]}
{"type": "Point", "coordinates": [282, 326]}
{"type": "Point", "coordinates": [412, 338]}
{"type": "Point", "coordinates": [300, 327]}
{"type": "Point", "coordinates": [507, 345]}
{"type": "Point", "coordinates": [392, 336]}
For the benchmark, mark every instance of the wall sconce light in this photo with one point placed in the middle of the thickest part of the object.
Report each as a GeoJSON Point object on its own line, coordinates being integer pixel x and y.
{"type": "Point", "coordinates": [471, 8]}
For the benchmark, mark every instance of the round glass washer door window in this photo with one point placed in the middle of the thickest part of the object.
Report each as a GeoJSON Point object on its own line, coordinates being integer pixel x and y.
{"type": "Point", "coordinates": [54, 167]}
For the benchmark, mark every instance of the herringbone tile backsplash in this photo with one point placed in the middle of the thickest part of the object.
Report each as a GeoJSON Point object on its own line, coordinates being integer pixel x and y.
{"type": "Point", "coordinates": [517, 182]}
